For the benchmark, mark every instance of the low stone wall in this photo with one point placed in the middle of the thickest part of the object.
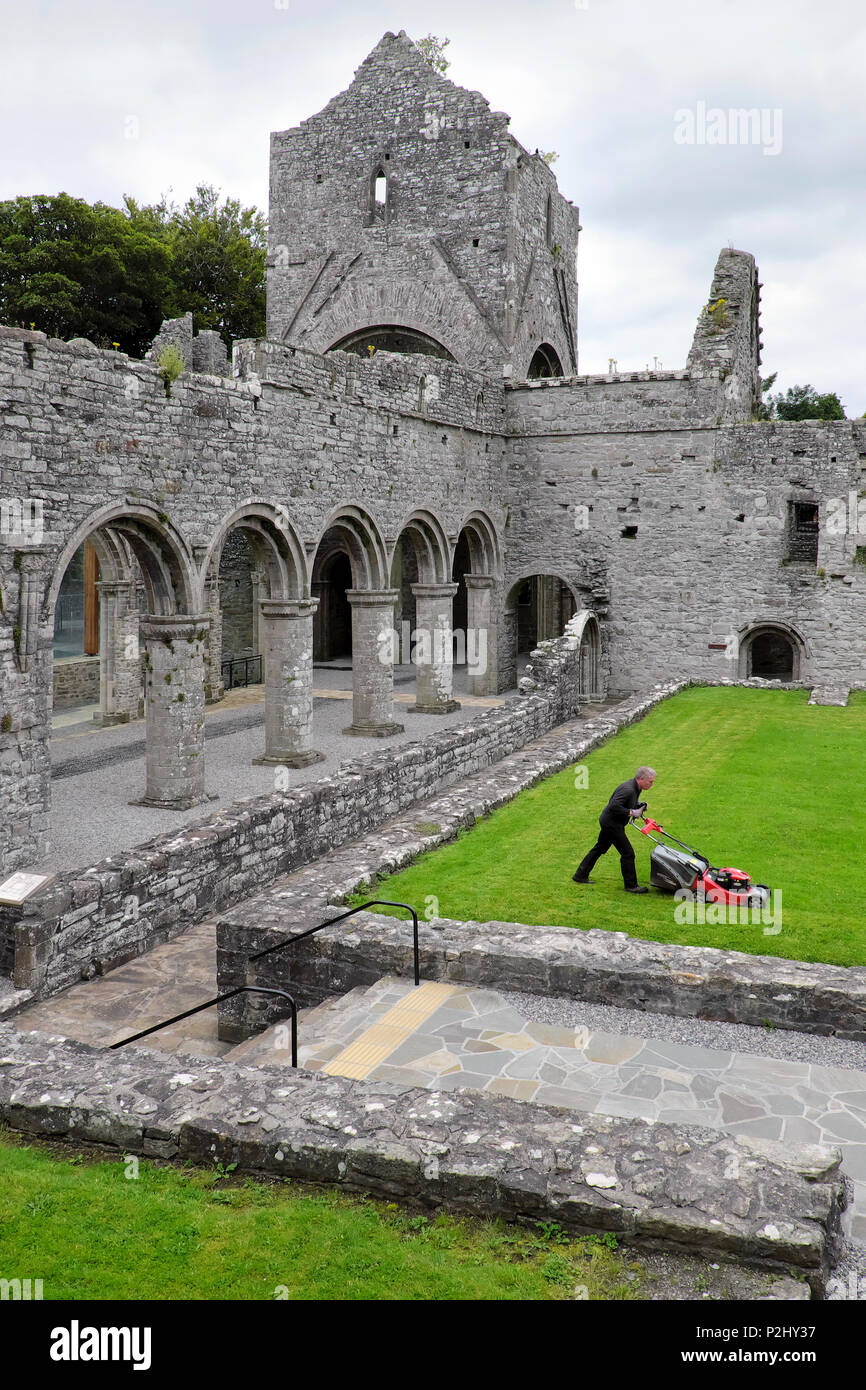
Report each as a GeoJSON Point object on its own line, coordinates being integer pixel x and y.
{"type": "Point", "coordinates": [657, 1186]}
{"type": "Point", "coordinates": [598, 967]}
{"type": "Point", "coordinates": [76, 681]}
{"type": "Point", "coordinates": [87, 921]}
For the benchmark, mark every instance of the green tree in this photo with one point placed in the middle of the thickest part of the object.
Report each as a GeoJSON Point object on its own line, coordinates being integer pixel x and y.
{"type": "Point", "coordinates": [433, 50]}
{"type": "Point", "coordinates": [76, 270]}
{"type": "Point", "coordinates": [804, 403]}
{"type": "Point", "coordinates": [72, 269]}
{"type": "Point", "coordinates": [218, 254]}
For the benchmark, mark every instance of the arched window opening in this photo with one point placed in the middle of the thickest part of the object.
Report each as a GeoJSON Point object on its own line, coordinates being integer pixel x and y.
{"type": "Point", "coordinates": [380, 195]}
{"type": "Point", "coordinates": [545, 363]}
{"type": "Point", "coordinates": [390, 337]}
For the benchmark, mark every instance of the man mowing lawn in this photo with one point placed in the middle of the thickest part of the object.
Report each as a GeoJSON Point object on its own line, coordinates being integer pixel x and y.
{"type": "Point", "coordinates": [624, 805]}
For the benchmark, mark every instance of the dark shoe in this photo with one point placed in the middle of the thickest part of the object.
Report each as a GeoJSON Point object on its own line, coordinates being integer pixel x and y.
{"type": "Point", "coordinates": [637, 889]}
{"type": "Point", "coordinates": [575, 879]}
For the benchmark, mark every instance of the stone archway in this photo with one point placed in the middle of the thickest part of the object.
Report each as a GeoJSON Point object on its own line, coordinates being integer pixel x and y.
{"type": "Point", "coordinates": [352, 531]}
{"type": "Point", "coordinates": [585, 629]}
{"type": "Point", "coordinates": [771, 651]}
{"type": "Point", "coordinates": [276, 615]}
{"type": "Point", "coordinates": [152, 632]}
{"type": "Point", "coordinates": [476, 569]}
{"type": "Point", "coordinates": [544, 363]}
{"type": "Point", "coordinates": [537, 608]}
{"type": "Point", "coordinates": [421, 575]}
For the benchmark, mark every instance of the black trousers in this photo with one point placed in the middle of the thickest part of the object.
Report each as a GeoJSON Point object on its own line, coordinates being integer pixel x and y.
{"type": "Point", "coordinates": [611, 835]}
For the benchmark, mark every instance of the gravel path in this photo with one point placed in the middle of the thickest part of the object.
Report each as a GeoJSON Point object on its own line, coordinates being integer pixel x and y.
{"type": "Point", "coordinates": [697, 1032]}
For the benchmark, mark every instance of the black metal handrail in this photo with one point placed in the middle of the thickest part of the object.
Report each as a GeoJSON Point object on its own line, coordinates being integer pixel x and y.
{"type": "Point", "coordinates": [218, 999]}
{"type": "Point", "coordinates": [263, 989]}
{"type": "Point", "coordinates": [374, 902]}
{"type": "Point", "coordinates": [230, 664]}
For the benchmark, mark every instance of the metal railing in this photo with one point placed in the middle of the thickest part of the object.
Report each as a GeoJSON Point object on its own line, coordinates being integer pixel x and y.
{"type": "Point", "coordinates": [218, 999]}
{"type": "Point", "coordinates": [374, 902]}
{"type": "Point", "coordinates": [231, 681]}
{"type": "Point", "coordinates": [263, 989]}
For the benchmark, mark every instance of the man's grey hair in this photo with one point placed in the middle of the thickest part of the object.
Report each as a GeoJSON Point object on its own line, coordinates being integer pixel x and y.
{"type": "Point", "coordinates": [645, 772]}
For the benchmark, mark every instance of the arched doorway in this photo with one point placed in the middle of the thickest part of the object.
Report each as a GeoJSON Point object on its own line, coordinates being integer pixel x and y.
{"type": "Point", "coordinates": [255, 577]}
{"type": "Point", "coordinates": [424, 621]}
{"type": "Point", "coordinates": [476, 569]}
{"type": "Point", "coordinates": [332, 623]}
{"type": "Point", "coordinates": [128, 576]}
{"type": "Point", "coordinates": [538, 607]}
{"type": "Point", "coordinates": [772, 652]}
{"type": "Point", "coordinates": [352, 539]}
{"type": "Point", "coordinates": [590, 675]}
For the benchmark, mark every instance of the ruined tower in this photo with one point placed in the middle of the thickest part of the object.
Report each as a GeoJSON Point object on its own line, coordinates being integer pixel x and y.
{"type": "Point", "coordinates": [406, 217]}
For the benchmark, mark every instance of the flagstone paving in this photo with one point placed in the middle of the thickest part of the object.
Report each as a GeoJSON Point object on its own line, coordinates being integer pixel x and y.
{"type": "Point", "coordinates": [444, 1036]}
{"type": "Point", "coordinates": [476, 1038]}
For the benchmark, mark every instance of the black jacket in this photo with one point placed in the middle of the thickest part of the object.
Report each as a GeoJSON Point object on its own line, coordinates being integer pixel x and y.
{"type": "Point", "coordinates": [626, 797]}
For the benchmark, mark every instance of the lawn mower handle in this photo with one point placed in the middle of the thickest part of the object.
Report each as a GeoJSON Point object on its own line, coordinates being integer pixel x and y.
{"type": "Point", "coordinates": [649, 825]}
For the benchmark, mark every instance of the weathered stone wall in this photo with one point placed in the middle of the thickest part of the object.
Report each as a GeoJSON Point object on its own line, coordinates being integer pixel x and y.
{"type": "Point", "coordinates": [596, 966]}
{"type": "Point", "coordinates": [461, 250]}
{"type": "Point", "coordinates": [88, 920]}
{"type": "Point", "coordinates": [94, 436]}
{"type": "Point", "coordinates": [76, 681]}
{"type": "Point", "coordinates": [658, 1186]}
{"type": "Point", "coordinates": [708, 555]}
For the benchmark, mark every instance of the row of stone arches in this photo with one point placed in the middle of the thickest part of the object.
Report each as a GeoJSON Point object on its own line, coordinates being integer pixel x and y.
{"type": "Point", "coordinates": [161, 617]}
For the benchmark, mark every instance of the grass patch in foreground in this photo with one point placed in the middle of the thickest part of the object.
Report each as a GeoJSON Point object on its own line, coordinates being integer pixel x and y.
{"type": "Point", "coordinates": [757, 779]}
{"type": "Point", "coordinates": [89, 1232]}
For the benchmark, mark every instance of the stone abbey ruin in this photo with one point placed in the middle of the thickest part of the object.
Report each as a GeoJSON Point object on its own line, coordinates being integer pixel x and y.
{"type": "Point", "coordinates": [412, 444]}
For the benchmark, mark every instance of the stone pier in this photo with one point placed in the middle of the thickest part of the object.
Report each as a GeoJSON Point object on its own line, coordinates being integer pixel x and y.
{"type": "Point", "coordinates": [373, 663]}
{"type": "Point", "coordinates": [287, 627]}
{"type": "Point", "coordinates": [120, 661]}
{"type": "Point", "coordinates": [480, 635]}
{"type": "Point", "coordinates": [174, 705]}
{"type": "Point", "coordinates": [434, 649]}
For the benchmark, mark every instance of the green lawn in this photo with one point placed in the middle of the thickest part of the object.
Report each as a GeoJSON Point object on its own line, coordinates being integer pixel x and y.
{"type": "Point", "coordinates": [756, 779]}
{"type": "Point", "coordinates": [89, 1232]}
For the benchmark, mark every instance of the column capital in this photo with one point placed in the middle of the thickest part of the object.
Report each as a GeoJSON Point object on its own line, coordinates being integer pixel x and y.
{"type": "Point", "coordinates": [372, 598]}
{"type": "Point", "coordinates": [434, 590]}
{"type": "Point", "coordinates": [181, 627]}
{"type": "Point", "coordinates": [288, 607]}
{"type": "Point", "coordinates": [479, 581]}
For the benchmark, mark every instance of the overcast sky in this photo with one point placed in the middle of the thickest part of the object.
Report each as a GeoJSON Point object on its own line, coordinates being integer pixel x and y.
{"type": "Point", "coordinates": [105, 97]}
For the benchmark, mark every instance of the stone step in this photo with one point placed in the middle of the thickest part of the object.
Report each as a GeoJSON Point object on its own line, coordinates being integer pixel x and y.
{"type": "Point", "coordinates": [454, 1037]}
{"type": "Point", "coordinates": [11, 998]}
{"type": "Point", "coordinates": [323, 1030]}
{"type": "Point", "coordinates": [829, 695]}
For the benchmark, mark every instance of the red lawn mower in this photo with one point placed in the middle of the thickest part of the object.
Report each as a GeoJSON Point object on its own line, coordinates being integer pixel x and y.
{"type": "Point", "coordinates": [671, 869]}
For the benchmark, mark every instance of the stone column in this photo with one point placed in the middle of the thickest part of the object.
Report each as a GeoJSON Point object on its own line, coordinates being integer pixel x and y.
{"type": "Point", "coordinates": [481, 654]}
{"type": "Point", "coordinates": [322, 594]}
{"type": "Point", "coordinates": [434, 649]}
{"type": "Point", "coordinates": [287, 626]}
{"type": "Point", "coordinates": [29, 603]}
{"type": "Point", "coordinates": [373, 663]}
{"type": "Point", "coordinates": [257, 636]}
{"type": "Point", "coordinates": [119, 657]}
{"type": "Point", "coordinates": [214, 689]}
{"type": "Point", "coordinates": [174, 705]}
